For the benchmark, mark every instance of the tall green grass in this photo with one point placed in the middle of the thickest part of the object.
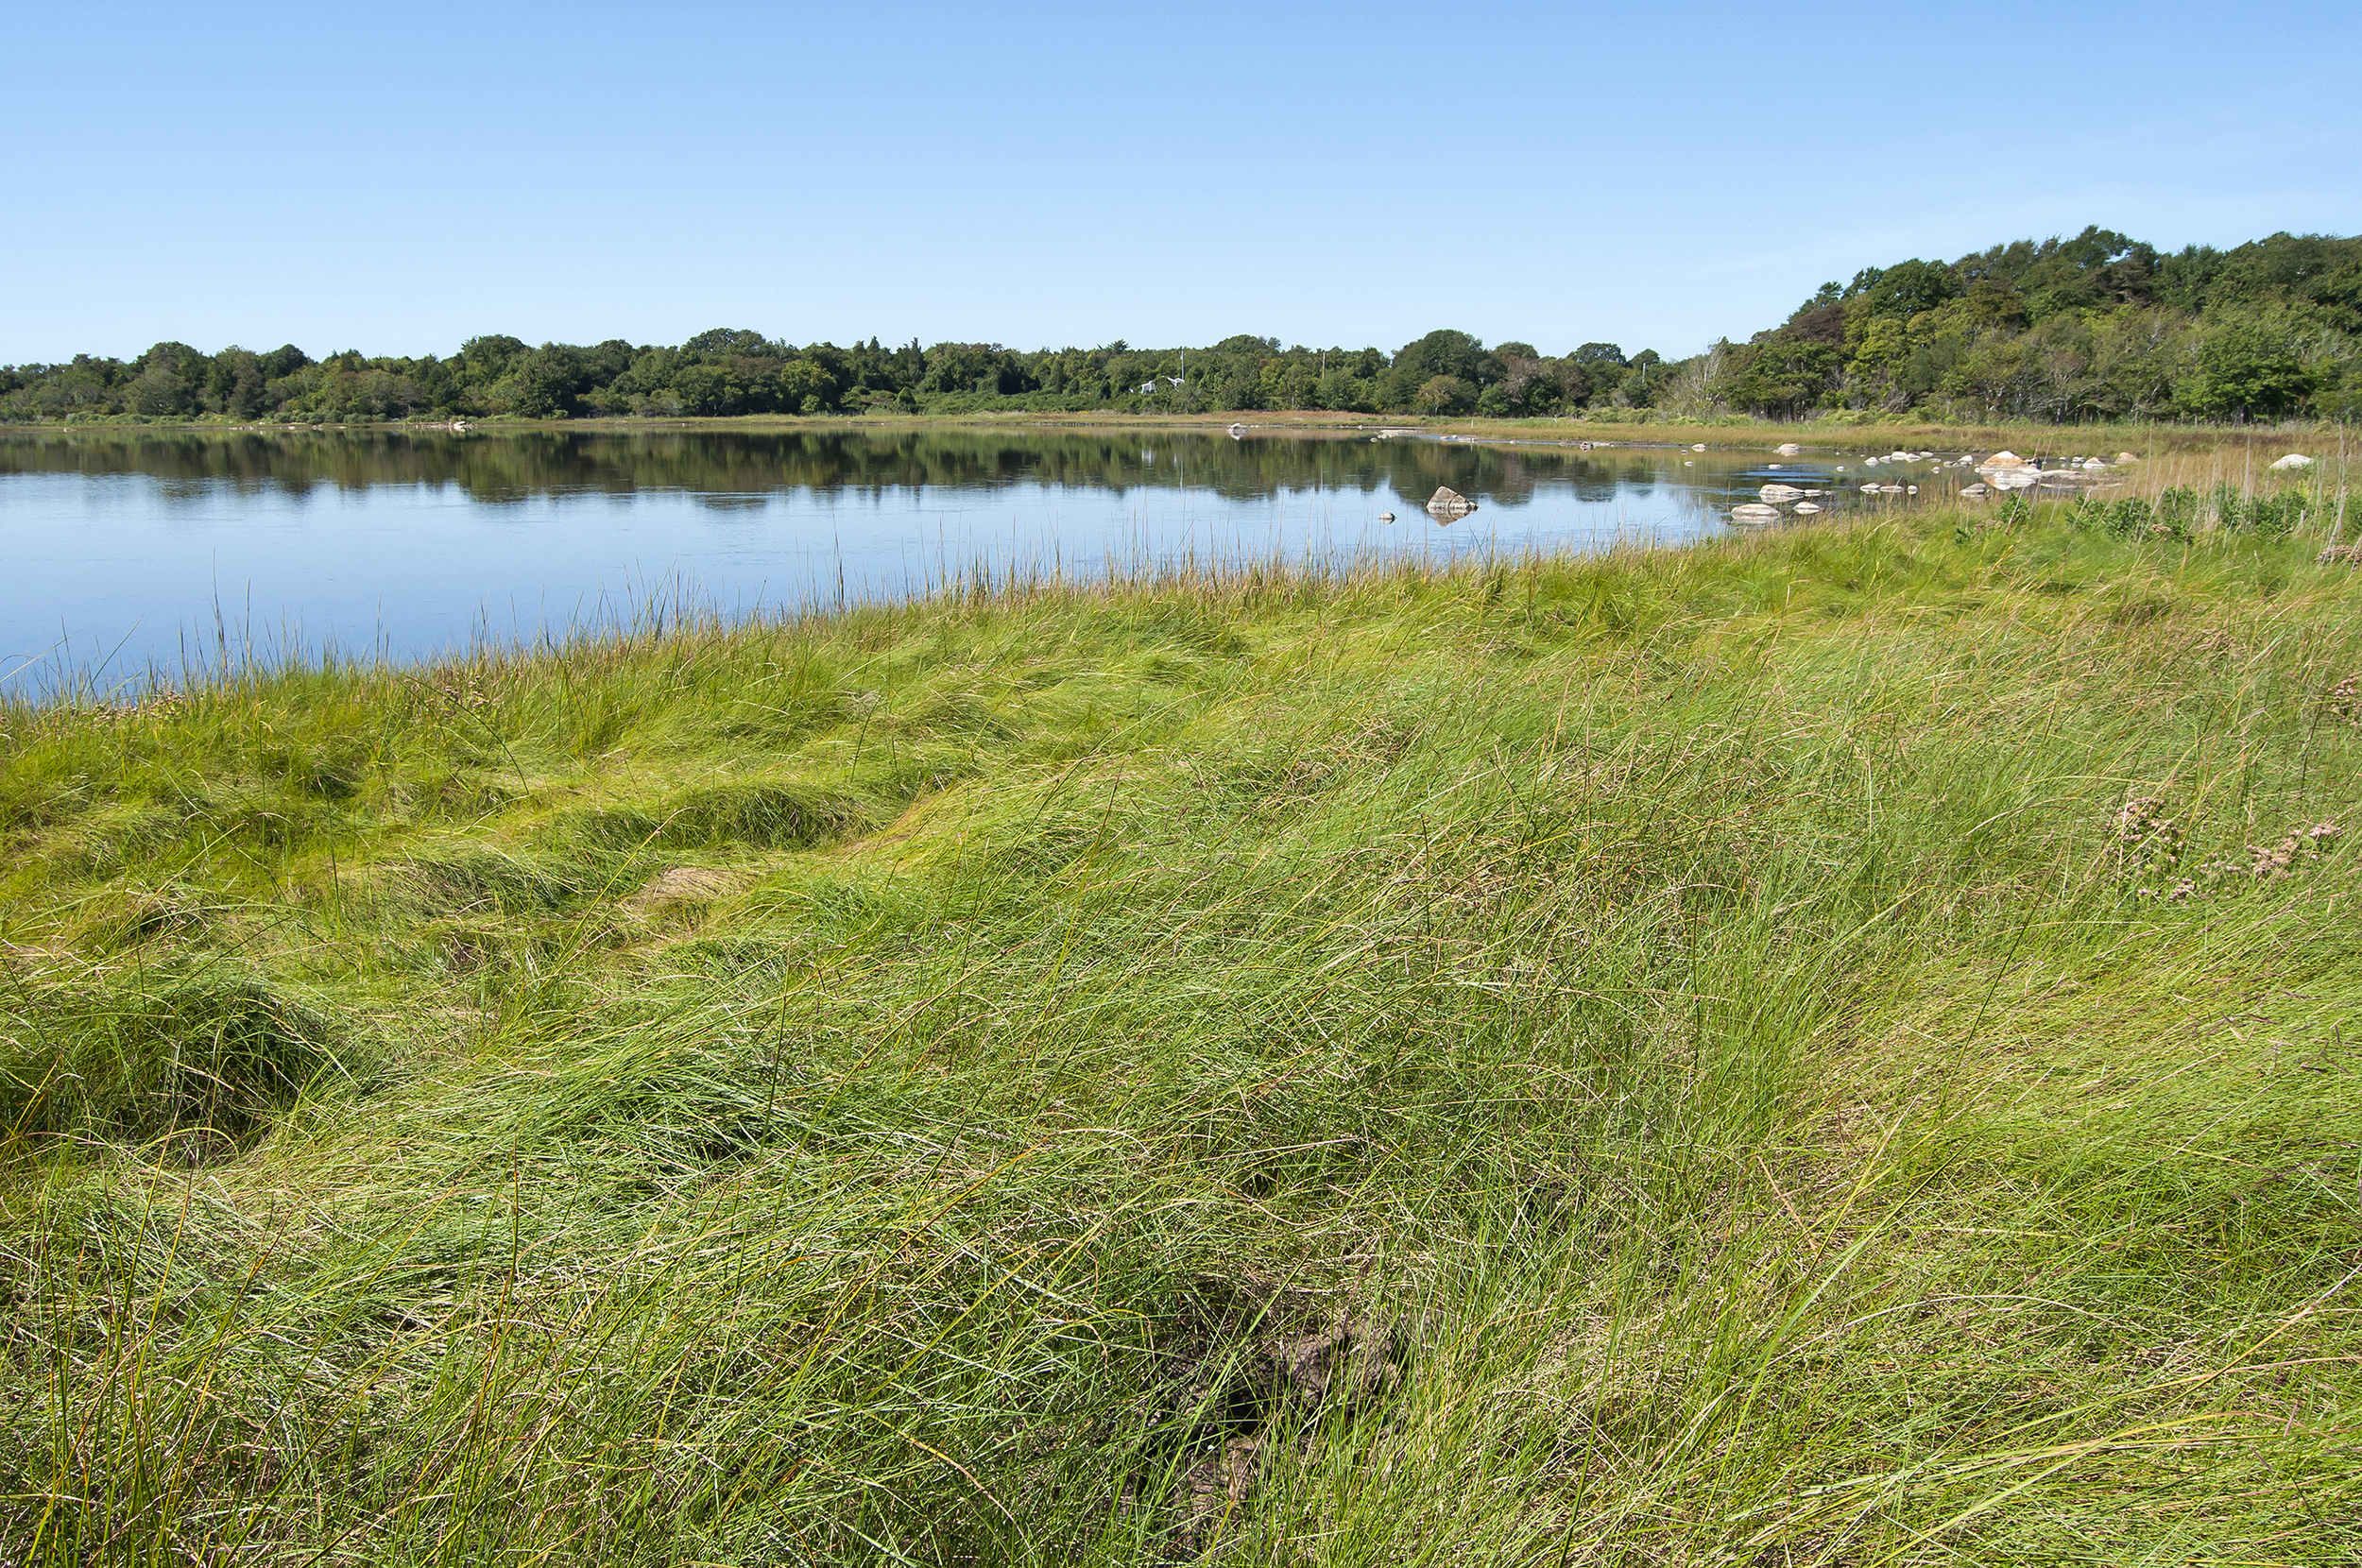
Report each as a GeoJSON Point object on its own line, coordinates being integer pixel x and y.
{"type": "Point", "coordinates": [1802, 1050]}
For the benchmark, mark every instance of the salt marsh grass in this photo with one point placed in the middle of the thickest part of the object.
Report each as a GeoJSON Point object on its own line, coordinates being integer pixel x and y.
{"type": "Point", "coordinates": [1782, 1051]}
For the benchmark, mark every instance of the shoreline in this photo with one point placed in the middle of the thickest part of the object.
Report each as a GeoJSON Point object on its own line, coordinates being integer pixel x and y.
{"type": "Point", "coordinates": [1304, 425]}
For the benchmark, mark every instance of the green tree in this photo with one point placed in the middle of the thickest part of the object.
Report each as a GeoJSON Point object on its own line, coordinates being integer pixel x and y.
{"type": "Point", "coordinates": [2244, 368]}
{"type": "Point", "coordinates": [1783, 377]}
{"type": "Point", "coordinates": [1444, 395]}
{"type": "Point", "coordinates": [805, 387]}
{"type": "Point", "coordinates": [1444, 352]}
{"type": "Point", "coordinates": [168, 382]}
{"type": "Point", "coordinates": [707, 389]}
{"type": "Point", "coordinates": [1346, 392]}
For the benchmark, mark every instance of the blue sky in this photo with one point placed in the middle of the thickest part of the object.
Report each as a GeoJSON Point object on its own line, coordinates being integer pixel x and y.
{"type": "Point", "coordinates": [398, 178]}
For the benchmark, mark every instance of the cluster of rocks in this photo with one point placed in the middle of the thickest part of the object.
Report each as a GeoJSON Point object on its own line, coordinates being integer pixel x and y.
{"type": "Point", "coordinates": [1795, 498]}
{"type": "Point", "coordinates": [2002, 471]}
{"type": "Point", "coordinates": [2007, 470]}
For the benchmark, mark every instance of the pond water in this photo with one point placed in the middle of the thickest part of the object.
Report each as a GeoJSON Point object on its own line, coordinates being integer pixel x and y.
{"type": "Point", "coordinates": [135, 550]}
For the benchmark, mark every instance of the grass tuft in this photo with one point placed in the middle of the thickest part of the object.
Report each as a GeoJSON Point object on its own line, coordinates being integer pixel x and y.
{"type": "Point", "coordinates": [186, 1061]}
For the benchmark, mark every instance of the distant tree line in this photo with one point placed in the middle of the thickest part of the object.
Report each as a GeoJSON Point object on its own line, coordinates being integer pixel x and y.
{"type": "Point", "coordinates": [731, 371]}
{"type": "Point", "coordinates": [2098, 327]}
{"type": "Point", "coordinates": [2094, 327]}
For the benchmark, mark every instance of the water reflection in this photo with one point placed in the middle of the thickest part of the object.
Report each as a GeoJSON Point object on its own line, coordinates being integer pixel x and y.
{"type": "Point", "coordinates": [126, 545]}
{"type": "Point", "coordinates": [194, 466]}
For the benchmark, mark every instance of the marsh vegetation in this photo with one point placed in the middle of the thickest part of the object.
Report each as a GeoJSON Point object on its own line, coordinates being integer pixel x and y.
{"type": "Point", "coordinates": [1833, 1046]}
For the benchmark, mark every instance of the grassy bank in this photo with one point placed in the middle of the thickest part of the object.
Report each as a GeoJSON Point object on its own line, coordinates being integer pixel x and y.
{"type": "Point", "coordinates": [1832, 1047]}
{"type": "Point", "coordinates": [2028, 437]}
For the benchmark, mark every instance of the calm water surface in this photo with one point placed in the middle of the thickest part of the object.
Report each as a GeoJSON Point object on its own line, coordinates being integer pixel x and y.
{"type": "Point", "coordinates": [132, 550]}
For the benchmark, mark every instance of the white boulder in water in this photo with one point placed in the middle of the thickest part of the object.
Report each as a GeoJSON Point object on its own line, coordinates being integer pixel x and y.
{"type": "Point", "coordinates": [2002, 460]}
{"type": "Point", "coordinates": [1752, 512]}
{"type": "Point", "coordinates": [1807, 507]}
{"type": "Point", "coordinates": [1781, 493]}
{"type": "Point", "coordinates": [1788, 449]}
{"type": "Point", "coordinates": [2294, 460]}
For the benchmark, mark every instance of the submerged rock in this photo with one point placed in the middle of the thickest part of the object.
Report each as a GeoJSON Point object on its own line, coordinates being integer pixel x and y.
{"type": "Point", "coordinates": [1976, 493]}
{"type": "Point", "coordinates": [1447, 504]}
